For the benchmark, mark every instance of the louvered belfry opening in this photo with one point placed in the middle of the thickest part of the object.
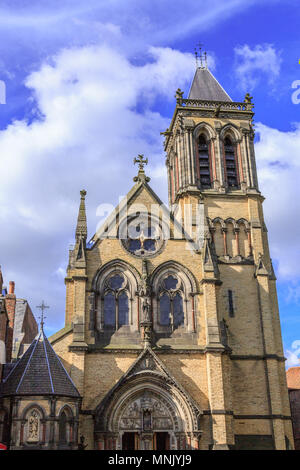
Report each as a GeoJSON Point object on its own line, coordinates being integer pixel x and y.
{"type": "Point", "coordinates": [204, 163]}
{"type": "Point", "coordinates": [230, 163]}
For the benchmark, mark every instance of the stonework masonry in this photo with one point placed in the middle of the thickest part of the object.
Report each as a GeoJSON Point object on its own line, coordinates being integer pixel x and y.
{"type": "Point", "coordinates": [227, 358]}
{"type": "Point", "coordinates": [174, 342]}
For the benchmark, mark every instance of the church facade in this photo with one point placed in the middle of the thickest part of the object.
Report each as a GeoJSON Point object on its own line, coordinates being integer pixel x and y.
{"type": "Point", "coordinates": [172, 334]}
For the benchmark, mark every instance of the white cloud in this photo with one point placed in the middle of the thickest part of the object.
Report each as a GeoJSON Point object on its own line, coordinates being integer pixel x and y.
{"type": "Point", "coordinates": [262, 62]}
{"type": "Point", "coordinates": [293, 357]}
{"type": "Point", "coordinates": [96, 113]}
{"type": "Point", "coordinates": [278, 161]}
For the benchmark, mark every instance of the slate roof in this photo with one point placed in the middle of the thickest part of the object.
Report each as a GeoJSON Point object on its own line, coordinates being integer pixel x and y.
{"type": "Point", "coordinates": [20, 311]}
{"type": "Point", "coordinates": [39, 372]}
{"type": "Point", "coordinates": [206, 87]}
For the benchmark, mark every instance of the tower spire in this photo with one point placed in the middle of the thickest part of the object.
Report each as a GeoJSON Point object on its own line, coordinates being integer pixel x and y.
{"type": "Point", "coordinates": [81, 228]}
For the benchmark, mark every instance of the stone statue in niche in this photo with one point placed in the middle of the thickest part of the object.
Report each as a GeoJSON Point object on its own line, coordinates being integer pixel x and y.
{"type": "Point", "coordinates": [33, 426]}
{"type": "Point", "coordinates": [147, 420]}
{"type": "Point", "coordinates": [146, 311]}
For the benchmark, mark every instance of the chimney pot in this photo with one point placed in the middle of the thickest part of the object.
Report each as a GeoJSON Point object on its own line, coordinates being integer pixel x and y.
{"type": "Point", "coordinates": [11, 287]}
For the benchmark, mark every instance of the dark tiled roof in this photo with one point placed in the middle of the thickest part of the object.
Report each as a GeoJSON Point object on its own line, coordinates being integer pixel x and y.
{"type": "Point", "coordinates": [7, 369]}
{"type": "Point", "coordinates": [39, 372]}
{"type": "Point", "coordinates": [206, 87]}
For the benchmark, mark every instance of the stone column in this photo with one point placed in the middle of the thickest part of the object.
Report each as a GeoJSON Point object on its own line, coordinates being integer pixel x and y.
{"type": "Point", "coordinates": [213, 156]}
{"type": "Point", "coordinates": [52, 422]}
{"type": "Point", "coordinates": [247, 158]}
{"type": "Point", "coordinates": [220, 161]}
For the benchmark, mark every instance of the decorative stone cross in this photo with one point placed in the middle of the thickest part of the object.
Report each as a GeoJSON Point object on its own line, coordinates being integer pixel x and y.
{"type": "Point", "coordinates": [42, 317]}
{"type": "Point", "coordinates": [140, 161]}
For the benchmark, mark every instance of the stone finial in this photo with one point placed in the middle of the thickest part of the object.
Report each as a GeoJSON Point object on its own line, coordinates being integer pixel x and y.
{"type": "Point", "coordinates": [248, 98]}
{"type": "Point", "coordinates": [178, 96]}
{"type": "Point", "coordinates": [141, 177]}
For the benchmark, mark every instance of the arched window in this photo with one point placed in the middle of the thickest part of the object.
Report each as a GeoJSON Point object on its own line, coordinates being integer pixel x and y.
{"type": "Point", "coordinates": [204, 162]}
{"type": "Point", "coordinates": [115, 299]}
{"type": "Point", "coordinates": [230, 163]}
{"type": "Point", "coordinates": [62, 432]}
{"type": "Point", "coordinates": [171, 311]}
{"type": "Point", "coordinates": [115, 302]}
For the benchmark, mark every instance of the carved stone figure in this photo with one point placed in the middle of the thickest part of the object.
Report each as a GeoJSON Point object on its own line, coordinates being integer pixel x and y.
{"type": "Point", "coordinates": [146, 311]}
{"type": "Point", "coordinates": [33, 427]}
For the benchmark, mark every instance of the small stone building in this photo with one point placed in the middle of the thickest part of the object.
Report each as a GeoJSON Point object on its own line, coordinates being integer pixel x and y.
{"type": "Point", "coordinates": [39, 403]}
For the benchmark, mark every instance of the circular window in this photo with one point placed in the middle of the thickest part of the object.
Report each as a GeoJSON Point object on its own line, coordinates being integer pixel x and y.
{"type": "Point", "coordinates": [141, 236]}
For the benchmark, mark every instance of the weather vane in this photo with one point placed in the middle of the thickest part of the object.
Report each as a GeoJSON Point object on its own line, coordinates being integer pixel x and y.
{"type": "Point", "coordinates": [199, 57]}
{"type": "Point", "coordinates": [42, 317]}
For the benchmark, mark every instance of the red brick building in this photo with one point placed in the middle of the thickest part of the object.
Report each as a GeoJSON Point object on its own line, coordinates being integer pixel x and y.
{"type": "Point", "coordinates": [293, 382]}
{"type": "Point", "coordinates": [18, 326]}
{"type": "Point", "coordinates": [3, 328]}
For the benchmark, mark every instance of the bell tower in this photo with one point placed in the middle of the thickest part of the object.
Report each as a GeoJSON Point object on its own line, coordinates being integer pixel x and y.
{"type": "Point", "coordinates": [209, 143]}
{"type": "Point", "coordinates": [210, 161]}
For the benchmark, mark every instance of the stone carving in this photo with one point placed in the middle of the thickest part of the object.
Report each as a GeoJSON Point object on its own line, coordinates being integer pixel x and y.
{"type": "Point", "coordinates": [146, 414]}
{"type": "Point", "coordinates": [248, 99]}
{"type": "Point", "coordinates": [178, 96]}
{"type": "Point", "coordinates": [146, 311]}
{"type": "Point", "coordinates": [144, 293]}
{"type": "Point", "coordinates": [147, 421]}
{"type": "Point", "coordinates": [33, 426]}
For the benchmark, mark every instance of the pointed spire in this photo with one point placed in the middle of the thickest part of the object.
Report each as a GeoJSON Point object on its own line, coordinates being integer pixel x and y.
{"type": "Point", "coordinates": [81, 228]}
{"type": "Point", "coordinates": [206, 87]}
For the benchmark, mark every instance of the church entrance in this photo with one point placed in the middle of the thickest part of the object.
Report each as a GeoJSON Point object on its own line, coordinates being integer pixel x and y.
{"type": "Point", "coordinates": [161, 441]}
{"type": "Point", "coordinates": [146, 413]}
{"type": "Point", "coordinates": [130, 441]}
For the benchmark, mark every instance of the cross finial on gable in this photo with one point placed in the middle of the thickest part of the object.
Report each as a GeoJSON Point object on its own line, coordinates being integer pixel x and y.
{"type": "Point", "coordinates": [141, 162]}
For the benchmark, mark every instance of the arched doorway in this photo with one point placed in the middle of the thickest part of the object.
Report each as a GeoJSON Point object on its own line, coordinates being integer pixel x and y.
{"type": "Point", "coordinates": [146, 412]}
{"type": "Point", "coordinates": [146, 423]}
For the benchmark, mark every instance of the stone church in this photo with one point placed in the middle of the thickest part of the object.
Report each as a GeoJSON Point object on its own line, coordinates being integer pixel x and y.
{"type": "Point", "coordinates": [172, 336]}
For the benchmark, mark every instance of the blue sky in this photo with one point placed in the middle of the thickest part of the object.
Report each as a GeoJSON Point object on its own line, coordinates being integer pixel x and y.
{"type": "Point", "coordinates": [88, 86]}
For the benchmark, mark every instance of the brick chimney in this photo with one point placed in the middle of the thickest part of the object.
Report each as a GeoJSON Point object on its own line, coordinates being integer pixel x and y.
{"type": "Point", "coordinates": [10, 303]}
{"type": "Point", "coordinates": [11, 287]}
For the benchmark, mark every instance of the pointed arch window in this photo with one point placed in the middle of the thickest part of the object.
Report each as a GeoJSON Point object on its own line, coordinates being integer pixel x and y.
{"type": "Point", "coordinates": [204, 162]}
{"type": "Point", "coordinates": [63, 428]}
{"type": "Point", "coordinates": [171, 312]}
{"type": "Point", "coordinates": [230, 163]}
{"type": "Point", "coordinates": [115, 302]}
